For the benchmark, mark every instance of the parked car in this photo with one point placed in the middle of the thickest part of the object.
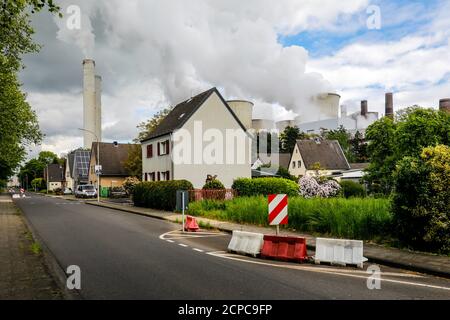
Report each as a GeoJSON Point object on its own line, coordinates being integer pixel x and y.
{"type": "Point", "coordinates": [67, 191]}
{"type": "Point", "coordinates": [86, 191]}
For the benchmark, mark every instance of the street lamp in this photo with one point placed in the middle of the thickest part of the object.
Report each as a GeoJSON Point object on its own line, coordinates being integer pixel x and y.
{"type": "Point", "coordinates": [97, 160]}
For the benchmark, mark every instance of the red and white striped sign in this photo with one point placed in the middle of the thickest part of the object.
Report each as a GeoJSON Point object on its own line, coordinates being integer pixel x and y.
{"type": "Point", "coordinates": [278, 209]}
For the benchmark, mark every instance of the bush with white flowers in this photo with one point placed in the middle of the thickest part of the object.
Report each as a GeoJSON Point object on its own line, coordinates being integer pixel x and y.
{"type": "Point", "coordinates": [309, 187]}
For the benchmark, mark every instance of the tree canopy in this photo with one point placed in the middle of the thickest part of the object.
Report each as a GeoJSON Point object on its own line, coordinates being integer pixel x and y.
{"type": "Point", "coordinates": [390, 141]}
{"type": "Point", "coordinates": [18, 122]}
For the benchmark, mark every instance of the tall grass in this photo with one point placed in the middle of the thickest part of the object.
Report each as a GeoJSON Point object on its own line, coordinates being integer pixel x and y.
{"type": "Point", "coordinates": [355, 218]}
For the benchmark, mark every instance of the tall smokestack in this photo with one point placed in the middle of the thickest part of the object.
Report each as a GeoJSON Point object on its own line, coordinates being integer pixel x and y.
{"type": "Point", "coordinates": [98, 107]}
{"type": "Point", "coordinates": [91, 113]}
{"type": "Point", "coordinates": [389, 105]}
{"type": "Point", "coordinates": [364, 108]}
{"type": "Point", "coordinates": [444, 105]}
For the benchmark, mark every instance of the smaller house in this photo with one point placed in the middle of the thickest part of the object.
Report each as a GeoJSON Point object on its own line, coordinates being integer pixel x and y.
{"type": "Point", "coordinates": [309, 155]}
{"type": "Point", "coordinates": [54, 176]}
{"type": "Point", "coordinates": [356, 172]}
{"type": "Point", "coordinates": [68, 171]}
{"type": "Point", "coordinates": [112, 159]}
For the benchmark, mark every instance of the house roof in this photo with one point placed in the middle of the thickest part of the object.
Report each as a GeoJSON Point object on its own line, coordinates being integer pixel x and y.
{"type": "Point", "coordinates": [112, 158]}
{"type": "Point", "coordinates": [360, 166]}
{"type": "Point", "coordinates": [69, 162]}
{"type": "Point", "coordinates": [183, 111]}
{"type": "Point", "coordinates": [54, 173]}
{"type": "Point", "coordinates": [326, 152]}
{"type": "Point", "coordinates": [283, 158]}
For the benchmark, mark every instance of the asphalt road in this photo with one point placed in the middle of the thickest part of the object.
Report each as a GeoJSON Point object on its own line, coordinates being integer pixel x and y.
{"type": "Point", "coordinates": [126, 256]}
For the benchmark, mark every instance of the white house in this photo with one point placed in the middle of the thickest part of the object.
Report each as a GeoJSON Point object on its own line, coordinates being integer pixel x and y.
{"type": "Point", "coordinates": [200, 136]}
{"type": "Point", "coordinates": [309, 154]}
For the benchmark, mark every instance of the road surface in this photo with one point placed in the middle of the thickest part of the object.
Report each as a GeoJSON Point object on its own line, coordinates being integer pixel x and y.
{"type": "Point", "coordinates": [126, 256]}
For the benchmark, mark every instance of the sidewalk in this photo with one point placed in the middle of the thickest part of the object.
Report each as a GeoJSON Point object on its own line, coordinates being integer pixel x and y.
{"type": "Point", "coordinates": [415, 261]}
{"type": "Point", "coordinates": [23, 273]}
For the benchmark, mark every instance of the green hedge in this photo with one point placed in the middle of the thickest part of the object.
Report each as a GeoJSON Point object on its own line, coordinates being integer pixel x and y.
{"type": "Point", "coordinates": [353, 218]}
{"type": "Point", "coordinates": [352, 189]}
{"type": "Point", "coordinates": [247, 187]}
{"type": "Point", "coordinates": [159, 194]}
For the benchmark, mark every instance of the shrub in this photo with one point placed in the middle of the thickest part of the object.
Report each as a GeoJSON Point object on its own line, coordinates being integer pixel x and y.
{"type": "Point", "coordinates": [129, 184]}
{"type": "Point", "coordinates": [284, 173]}
{"type": "Point", "coordinates": [310, 187]}
{"type": "Point", "coordinates": [352, 189]}
{"type": "Point", "coordinates": [213, 189]}
{"type": "Point", "coordinates": [38, 184]}
{"type": "Point", "coordinates": [354, 218]}
{"type": "Point", "coordinates": [58, 191]}
{"type": "Point", "coordinates": [159, 194]}
{"type": "Point", "coordinates": [246, 187]}
{"type": "Point", "coordinates": [421, 200]}
{"type": "Point", "coordinates": [213, 185]}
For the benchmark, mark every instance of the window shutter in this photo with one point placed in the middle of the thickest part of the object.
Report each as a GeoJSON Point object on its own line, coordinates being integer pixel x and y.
{"type": "Point", "coordinates": [153, 176]}
{"type": "Point", "coordinates": [151, 151]}
{"type": "Point", "coordinates": [167, 175]}
{"type": "Point", "coordinates": [159, 176]}
{"type": "Point", "coordinates": [146, 177]}
{"type": "Point", "coordinates": [167, 147]}
{"type": "Point", "coordinates": [159, 149]}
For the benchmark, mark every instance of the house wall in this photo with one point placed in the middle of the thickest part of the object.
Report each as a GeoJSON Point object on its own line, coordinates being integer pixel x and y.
{"type": "Point", "coordinates": [296, 156]}
{"type": "Point", "coordinates": [156, 163]}
{"type": "Point", "coordinates": [69, 181]}
{"type": "Point", "coordinates": [53, 185]}
{"type": "Point", "coordinates": [214, 115]}
{"type": "Point", "coordinates": [109, 182]}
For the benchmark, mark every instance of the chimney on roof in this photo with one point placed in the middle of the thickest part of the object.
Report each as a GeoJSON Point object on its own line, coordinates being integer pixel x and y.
{"type": "Point", "coordinates": [364, 108]}
{"type": "Point", "coordinates": [389, 105]}
{"type": "Point", "coordinates": [444, 105]}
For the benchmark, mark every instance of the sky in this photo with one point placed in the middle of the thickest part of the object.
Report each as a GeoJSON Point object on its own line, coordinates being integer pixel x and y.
{"type": "Point", "coordinates": [152, 54]}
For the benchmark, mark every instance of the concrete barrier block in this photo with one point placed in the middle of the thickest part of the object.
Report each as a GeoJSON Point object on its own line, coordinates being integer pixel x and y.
{"type": "Point", "coordinates": [246, 243]}
{"type": "Point", "coordinates": [339, 251]}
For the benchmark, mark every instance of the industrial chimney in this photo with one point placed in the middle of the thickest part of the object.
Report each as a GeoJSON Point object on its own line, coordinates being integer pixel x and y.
{"type": "Point", "coordinates": [444, 105]}
{"type": "Point", "coordinates": [364, 108]}
{"type": "Point", "coordinates": [389, 105]}
{"type": "Point", "coordinates": [91, 104]}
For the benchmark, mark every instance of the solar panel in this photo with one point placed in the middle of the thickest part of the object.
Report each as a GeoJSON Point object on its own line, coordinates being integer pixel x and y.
{"type": "Point", "coordinates": [82, 158]}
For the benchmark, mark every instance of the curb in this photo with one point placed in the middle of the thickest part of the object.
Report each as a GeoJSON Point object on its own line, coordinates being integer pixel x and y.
{"type": "Point", "coordinates": [56, 270]}
{"type": "Point", "coordinates": [387, 262]}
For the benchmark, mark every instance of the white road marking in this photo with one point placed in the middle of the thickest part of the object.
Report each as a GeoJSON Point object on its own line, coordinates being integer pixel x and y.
{"type": "Point", "coordinates": [183, 245]}
{"type": "Point", "coordinates": [225, 255]}
{"type": "Point", "coordinates": [171, 241]}
{"type": "Point", "coordinates": [177, 234]}
{"type": "Point", "coordinates": [199, 250]}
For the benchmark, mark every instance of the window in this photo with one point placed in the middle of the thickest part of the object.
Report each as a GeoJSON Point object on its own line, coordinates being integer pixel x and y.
{"type": "Point", "coordinates": [293, 164]}
{"type": "Point", "coordinates": [150, 151]}
{"type": "Point", "coordinates": [163, 148]}
{"type": "Point", "coordinates": [299, 164]}
{"type": "Point", "coordinates": [165, 176]}
{"type": "Point", "coordinates": [146, 176]}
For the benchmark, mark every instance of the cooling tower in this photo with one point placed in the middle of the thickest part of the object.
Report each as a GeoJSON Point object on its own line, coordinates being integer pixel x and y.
{"type": "Point", "coordinates": [243, 110]}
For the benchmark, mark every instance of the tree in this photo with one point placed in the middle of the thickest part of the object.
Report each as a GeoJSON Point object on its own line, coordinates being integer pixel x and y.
{"type": "Point", "coordinates": [358, 148]}
{"type": "Point", "coordinates": [343, 137]}
{"type": "Point", "coordinates": [145, 128]}
{"type": "Point", "coordinates": [389, 141]}
{"type": "Point", "coordinates": [38, 184]}
{"type": "Point", "coordinates": [133, 164]}
{"type": "Point", "coordinates": [18, 122]}
{"type": "Point", "coordinates": [419, 128]}
{"type": "Point", "coordinates": [421, 201]}
{"type": "Point", "coordinates": [48, 157]}
{"type": "Point", "coordinates": [289, 137]}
